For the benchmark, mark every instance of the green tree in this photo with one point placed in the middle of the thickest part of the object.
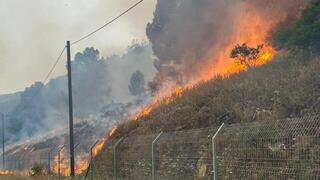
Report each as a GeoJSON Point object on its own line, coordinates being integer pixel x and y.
{"type": "Point", "coordinates": [303, 34]}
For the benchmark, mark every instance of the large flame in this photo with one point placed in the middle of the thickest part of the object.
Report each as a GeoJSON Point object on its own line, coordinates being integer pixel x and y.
{"type": "Point", "coordinates": [251, 28]}
{"type": "Point", "coordinates": [80, 164]}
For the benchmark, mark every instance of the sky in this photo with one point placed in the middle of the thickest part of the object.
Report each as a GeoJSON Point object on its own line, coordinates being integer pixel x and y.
{"type": "Point", "coordinates": [33, 33]}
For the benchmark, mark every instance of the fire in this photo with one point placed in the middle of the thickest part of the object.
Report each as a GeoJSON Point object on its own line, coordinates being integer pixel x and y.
{"type": "Point", "coordinates": [143, 112]}
{"type": "Point", "coordinates": [113, 130]}
{"type": "Point", "coordinates": [265, 56]}
{"type": "Point", "coordinates": [80, 165]}
{"type": "Point", "coordinates": [5, 172]}
{"type": "Point", "coordinates": [178, 91]}
{"type": "Point", "coordinates": [97, 148]}
{"type": "Point", "coordinates": [63, 166]}
{"type": "Point", "coordinates": [249, 27]}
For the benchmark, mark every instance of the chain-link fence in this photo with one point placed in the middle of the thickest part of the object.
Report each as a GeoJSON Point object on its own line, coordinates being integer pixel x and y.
{"type": "Point", "coordinates": [283, 149]}
{"type": "Point", "coordinates": [54, 162]}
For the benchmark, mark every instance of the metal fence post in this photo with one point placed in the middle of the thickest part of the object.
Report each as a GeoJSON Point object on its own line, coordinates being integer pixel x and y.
{"type": "Point", "coordinates": [91, 159]}
{"type": "Point", "coordinates": [15, 162]}
{"type": "Point", "coordinates": [49, 160]}
{"type": "Point", "coordinates": [115, 159]}
{"type": "Point", "coordinates": [59, 161]}
{"type": "Point", "coordinates": [214, 163]}
{"type": "Point", "coordinates": [152, 155]}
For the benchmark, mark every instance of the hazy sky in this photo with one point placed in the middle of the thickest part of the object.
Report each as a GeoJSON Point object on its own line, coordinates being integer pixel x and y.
{"type": "Point", "coordinates": [33, 32]}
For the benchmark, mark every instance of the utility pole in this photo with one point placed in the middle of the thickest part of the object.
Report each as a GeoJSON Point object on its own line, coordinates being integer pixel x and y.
{"type": "Point", "coordinates": [72, 174]}
{"type": "Point", "coordinates": [3, 163]}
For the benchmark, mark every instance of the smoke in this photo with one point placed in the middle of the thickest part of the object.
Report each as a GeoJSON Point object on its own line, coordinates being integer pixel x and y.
{"type": "Point", "coordinates": [33, 35]}
{"type": "Point", "coordinates": [191, 38]}
{"type": "Point", "coordinates": [122, 67]}
{"type": "Point", "coordinates": [191, 41]}
{"type": "Point", "coordinates": [98, 85]}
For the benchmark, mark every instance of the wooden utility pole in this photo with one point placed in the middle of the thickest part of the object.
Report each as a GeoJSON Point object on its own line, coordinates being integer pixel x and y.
{"type": "Point", "coordinates": [72, 174]}
{"type": "Point", "coordinates": [3, 163]}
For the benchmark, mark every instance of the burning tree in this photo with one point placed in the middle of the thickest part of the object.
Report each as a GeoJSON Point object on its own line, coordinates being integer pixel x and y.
{"type": "Point", "coordinates": [245, 55]}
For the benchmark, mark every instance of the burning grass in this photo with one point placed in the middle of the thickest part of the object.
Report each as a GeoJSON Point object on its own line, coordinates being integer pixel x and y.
{"type": "Point", "coordinates": [63, 165]}
{"type": "Point", "coordinates": [283, 88]}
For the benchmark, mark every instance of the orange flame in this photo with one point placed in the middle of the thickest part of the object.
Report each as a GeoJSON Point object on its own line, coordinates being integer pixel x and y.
{"type": "Point", "coordinates": [143, 112]}
{"type": "Point", "coordinates": [178, 91]}
{"type": "Point", "coordinates": [97, 148]}
{"type": "Point", "coordinates": [112, 131]}
{"type": "Point", "coordinates": [6, 172]}
{"type": "Point", "coordinates": [251, 28]}
{"type": "Point", "coordinates": [80, 165]}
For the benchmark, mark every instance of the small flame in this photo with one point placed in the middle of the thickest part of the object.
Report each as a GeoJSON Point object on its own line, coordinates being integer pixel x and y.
{"type": "Point", "coordinates": [266, 56]}
{"type": "Point", "coordinates": [113, 130]}
{"type": "Point", "coordinates": [97, 148]}
{"type": "Point", "coordinates": [81, 166]}
{"type": "Point", "coordinates": [6, 172]}
{"type": "Point", "coordinates": [144, 112]}
{"type": "Point", "coordinates": [178, 91]}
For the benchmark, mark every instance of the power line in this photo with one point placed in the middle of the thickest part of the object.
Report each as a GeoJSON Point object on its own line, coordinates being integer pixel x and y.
{"type": "Point", "coordinates": [108, 23]}
{"type": "Point", "coordinates": [54, 66]}
{"type": "Point", "coordinates": [49, 74]}
{"type": "Point", "coordinates": [84, 37]}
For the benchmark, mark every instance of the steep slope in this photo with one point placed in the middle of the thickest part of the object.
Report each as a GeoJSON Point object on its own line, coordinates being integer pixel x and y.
{"type": "Point", "coordinates": [284, 88]}
{"type": "Point", "coordinates": [289, 86]}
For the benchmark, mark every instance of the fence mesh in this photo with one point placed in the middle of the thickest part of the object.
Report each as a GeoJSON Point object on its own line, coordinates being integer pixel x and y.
{"type": "Point", "coordinates": [184, 154]}
{"type": "Point", "coordinates": [284, 149]}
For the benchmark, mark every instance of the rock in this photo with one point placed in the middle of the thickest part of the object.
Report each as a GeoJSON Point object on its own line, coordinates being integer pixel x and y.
{"type": "Point", "coordinates": [205, 109]}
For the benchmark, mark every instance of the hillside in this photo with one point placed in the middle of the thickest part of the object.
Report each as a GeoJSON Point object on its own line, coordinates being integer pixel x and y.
{"type": "Point", "coordinates": [237, 98]}
{"type": "Point", "coordinates": [287, 87]}
{"type": "Point", "coordinates": [284, 88]}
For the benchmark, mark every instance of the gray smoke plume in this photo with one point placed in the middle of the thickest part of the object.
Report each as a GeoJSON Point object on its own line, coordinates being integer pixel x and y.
{"type": "Point", "coordinates": [98, 84]}
{"type": "Point", "coordinates": [185, 32]}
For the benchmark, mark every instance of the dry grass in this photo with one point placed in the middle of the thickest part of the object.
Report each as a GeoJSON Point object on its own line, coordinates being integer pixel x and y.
{"type": "Point", "coordinates": [284, 88]}
{"type": "Point", "coordinates": [19, 177]}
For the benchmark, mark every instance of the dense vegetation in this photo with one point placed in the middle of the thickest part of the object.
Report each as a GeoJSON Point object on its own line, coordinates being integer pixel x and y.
{"type": "Point", "coordinates": [303, 35]}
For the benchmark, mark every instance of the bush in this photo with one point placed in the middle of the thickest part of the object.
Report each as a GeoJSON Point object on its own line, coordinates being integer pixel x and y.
{"type": "Point", "coordinates": [38, 169]}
